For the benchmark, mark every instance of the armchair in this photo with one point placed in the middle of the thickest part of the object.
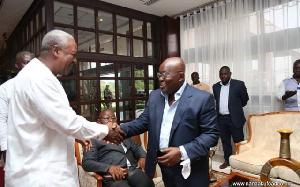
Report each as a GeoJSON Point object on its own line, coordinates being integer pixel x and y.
{"type": "Point", "coordinates": [89, 179]}
{"type": "Point", "coordinates": [86, 179]}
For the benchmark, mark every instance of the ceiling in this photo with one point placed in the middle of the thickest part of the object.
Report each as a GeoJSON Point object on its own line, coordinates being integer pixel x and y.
{"type": "Point", "coordinates": [11, 11]}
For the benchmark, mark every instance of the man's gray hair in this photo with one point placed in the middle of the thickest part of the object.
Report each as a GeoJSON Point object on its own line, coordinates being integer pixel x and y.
{"type": "Point", "coordinates": [19, 55]}
{"type": "Point", "coordinates": [55, 37]}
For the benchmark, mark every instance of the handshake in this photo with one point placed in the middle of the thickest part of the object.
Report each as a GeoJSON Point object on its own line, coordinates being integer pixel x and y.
{"type": "Point", "coordinates": [115, 134]}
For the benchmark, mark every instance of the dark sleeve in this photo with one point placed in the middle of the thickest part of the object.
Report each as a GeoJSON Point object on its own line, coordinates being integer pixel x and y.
{"type": "Point", "coordinates": [90, 161]}
{"type": "Point", "coordinates": [137, 150]}
{"type": "Point", "coordinates": [244, 94]}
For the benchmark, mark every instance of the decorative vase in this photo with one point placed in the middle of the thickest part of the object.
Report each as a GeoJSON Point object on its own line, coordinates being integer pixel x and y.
{"type": "Point", "coordinates": [285, 151]}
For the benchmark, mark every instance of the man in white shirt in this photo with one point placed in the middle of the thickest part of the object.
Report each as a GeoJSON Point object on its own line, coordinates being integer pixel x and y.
{"type": "Point", "coordinates": [288, 89]}
{"type": "Point", "coordinates": [42, 126]}
{"type": "Point", "coordinates": [22, 59]}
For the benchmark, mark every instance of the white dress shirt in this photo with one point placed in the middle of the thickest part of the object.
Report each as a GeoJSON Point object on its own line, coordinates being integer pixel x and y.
{"type": "Point", "coordinates": [224, 97]}
{"type": "Point", "coordinates": [166, 125]}
{"type": "Point", "coordinates": [5, 92]}
{"type": "Point", "coordinates": [41, 131]}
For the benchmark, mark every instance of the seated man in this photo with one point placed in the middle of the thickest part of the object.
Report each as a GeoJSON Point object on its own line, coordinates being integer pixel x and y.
{"type": "Point", "coordinates": [115, 159]}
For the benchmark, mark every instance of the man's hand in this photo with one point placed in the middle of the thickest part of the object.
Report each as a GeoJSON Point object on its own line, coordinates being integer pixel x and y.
{"type": "Point", "coordinates": [141, 164]}
{"type": "Point", "coordinates": [86, 144]}
{"type": "Point", "coordinates": [288, 94]}
{"type": "Point", "coordinates": [115, 134]}
{"type": "Point", "coordinates": [117, 172]}
{"type": "Point", "coordinates": [172, 156]}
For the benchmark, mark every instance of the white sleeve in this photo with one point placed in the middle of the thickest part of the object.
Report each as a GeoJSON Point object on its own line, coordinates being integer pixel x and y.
{"type": "Point", "coordinates": [280, 91]}
{"type": "Point", "coordinates": [50, 101]}
{"type": "Point", "coordinates": [3, 118]}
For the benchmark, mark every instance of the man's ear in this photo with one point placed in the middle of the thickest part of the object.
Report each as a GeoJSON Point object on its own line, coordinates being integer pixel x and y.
{"type": "Point", "coordinates": [182, 76]}
{"type": "Point", "coordinates": [55, 50]}
{"type": "Point", "coordinates": [16, 66]}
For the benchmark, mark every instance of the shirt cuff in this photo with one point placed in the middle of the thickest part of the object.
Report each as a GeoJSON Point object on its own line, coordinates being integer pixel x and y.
{"type": "Point", "coordinates": [184, 155]}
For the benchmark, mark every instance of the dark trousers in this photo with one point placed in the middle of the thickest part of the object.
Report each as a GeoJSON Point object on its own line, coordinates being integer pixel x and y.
{"type": "Point", "coordinates": [136, 178]}
{"type": "Point", "coordinates": [228, 130]}
{"type": "Point", "coordinates": [199, 176]}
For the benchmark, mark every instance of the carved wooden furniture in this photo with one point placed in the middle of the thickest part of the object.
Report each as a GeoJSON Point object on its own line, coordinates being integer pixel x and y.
{"type": "Point", "coordinates": [284, 159]}
{"type": "Point", "coordinates": [263, 144]}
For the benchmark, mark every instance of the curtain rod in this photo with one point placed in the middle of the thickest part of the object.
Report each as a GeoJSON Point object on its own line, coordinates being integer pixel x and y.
{"type": "Point", "coordinates": [196, 8]}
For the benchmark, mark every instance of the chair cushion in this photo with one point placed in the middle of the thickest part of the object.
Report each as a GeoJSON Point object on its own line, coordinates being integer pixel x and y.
{"type": "Point", "coordinates": [85, 178]}
{"type": "Point", "coordinates": [253, 160]}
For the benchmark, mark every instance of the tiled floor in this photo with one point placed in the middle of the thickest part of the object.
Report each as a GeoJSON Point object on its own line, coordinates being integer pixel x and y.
{"type": "Point", "coordinates": [217, 160]}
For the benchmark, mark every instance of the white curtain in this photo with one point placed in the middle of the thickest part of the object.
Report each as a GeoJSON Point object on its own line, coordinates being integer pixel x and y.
{"type": "Point", "coordinates": [258, 39]}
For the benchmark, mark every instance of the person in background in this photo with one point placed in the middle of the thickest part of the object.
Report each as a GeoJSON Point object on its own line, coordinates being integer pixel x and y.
{"type": "Point", "coordinates": [107, 96]}
{"type": "Point", "coordinates": [287, 90]}
{"type": "Point", "coordinates": [197, 84]}
{"type": "Point", "coordinates": [22, 59]}
{"type": "Point", "coordinates": [115, 159]}
{"type": "Point", "coordinates": [181, 124]}
{"type": "Point", "coordinates": [202, 86]}
{"type": "Point", "coordinates": [231, 96]}
{"type": "Point", "coordinates": [42, 127]}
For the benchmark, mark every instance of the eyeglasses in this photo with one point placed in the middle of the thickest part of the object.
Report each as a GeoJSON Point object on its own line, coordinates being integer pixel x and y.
{"type": "Point", "coordinates": [166, 74]}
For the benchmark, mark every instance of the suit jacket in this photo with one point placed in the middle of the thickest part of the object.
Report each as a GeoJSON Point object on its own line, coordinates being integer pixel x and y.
{"type": "Point", "coordinates": [102, 156]}
{"type": "Point", "coordinates": [238, 98]}
{"type": "Point", "coordinates": [194, 126]}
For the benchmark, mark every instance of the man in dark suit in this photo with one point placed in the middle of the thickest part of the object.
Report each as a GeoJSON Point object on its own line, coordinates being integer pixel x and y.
{"type": "Point", "coordinates": [231, 96]}
{"type": "Point", "coordinates": [115, 159]}
{"type": "Point", "coordinates": [181, 125]}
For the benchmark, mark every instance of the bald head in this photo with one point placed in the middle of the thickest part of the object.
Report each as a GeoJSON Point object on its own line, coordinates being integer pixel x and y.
{"type": "Point", "coordinates": [174, 63]}
{"type": "Point", "coordinates": [171, 75]}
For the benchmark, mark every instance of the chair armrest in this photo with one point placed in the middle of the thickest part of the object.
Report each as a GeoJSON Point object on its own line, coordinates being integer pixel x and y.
{"type": "Point", "coordinates": [242, 146]}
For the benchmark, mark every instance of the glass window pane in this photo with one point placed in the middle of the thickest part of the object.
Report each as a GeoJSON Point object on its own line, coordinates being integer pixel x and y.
{"type": "Point", "coordinates": [139, 71]}
{"type": "Point", "coordinates": [149, 30]}
{"type": "Point", "coordinates": [151, 86]}
{"type": "Point", "coordinates": [87, 69]}
{"type": "Point", "coordinates": [108, 91]}
{"type": "Point", "coordinates": [150, 70]}
{"type": "Point", "coordinates": [109, 105]}
{"type": "Point", "coordinates": [86, 41]}
{"type": "Point", "coordinates": [89, 111]}
{"type": "Point", "coordinates": [140, 105]}
{"type": "Point", "coordinates": [137, 28]}
{"type": "Point", "coordinates": [107, 70]}
{"type": "Point", "coordinates": [123, 46]}
{"type": "Point", "coordinates": [152, 50]}
{"type": "Point", "coordinates": [106, 43]}
{"type": "Point", "coordinates": [139, 88]}
{"type": "Point", "coordinates": [68, 30]}
{"type": "Point", "coordinates": [63, 13]}
{"type": "Point", "coordinates": [105, 21]}
{"type": "Point", "coordinates": [138, 48]}
{"type": "Point", "coordinates": [70, 88]}
{"type": "Point", "coordinates": [88, 90]}
{"type": "Point", "coordinates": [124, 70]}
{"type": "Point", "coordinates": [122, 25]}
{"type": "Point", "coordinates": [85, 17]}
{"type": "Point", "coordinates": [125, 110]}
{"type": "Point", "coordinates": [125, 89]}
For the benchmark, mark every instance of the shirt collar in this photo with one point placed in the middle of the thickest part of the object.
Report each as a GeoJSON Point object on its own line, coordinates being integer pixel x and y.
{"type": "Point", "coordinates": [179, 92]}
{"type": "Point", "coordinates": [228, 84]}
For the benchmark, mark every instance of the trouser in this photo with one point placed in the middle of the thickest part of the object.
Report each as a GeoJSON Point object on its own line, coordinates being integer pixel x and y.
{"type": "Point", "coordinates": [228, 130]}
